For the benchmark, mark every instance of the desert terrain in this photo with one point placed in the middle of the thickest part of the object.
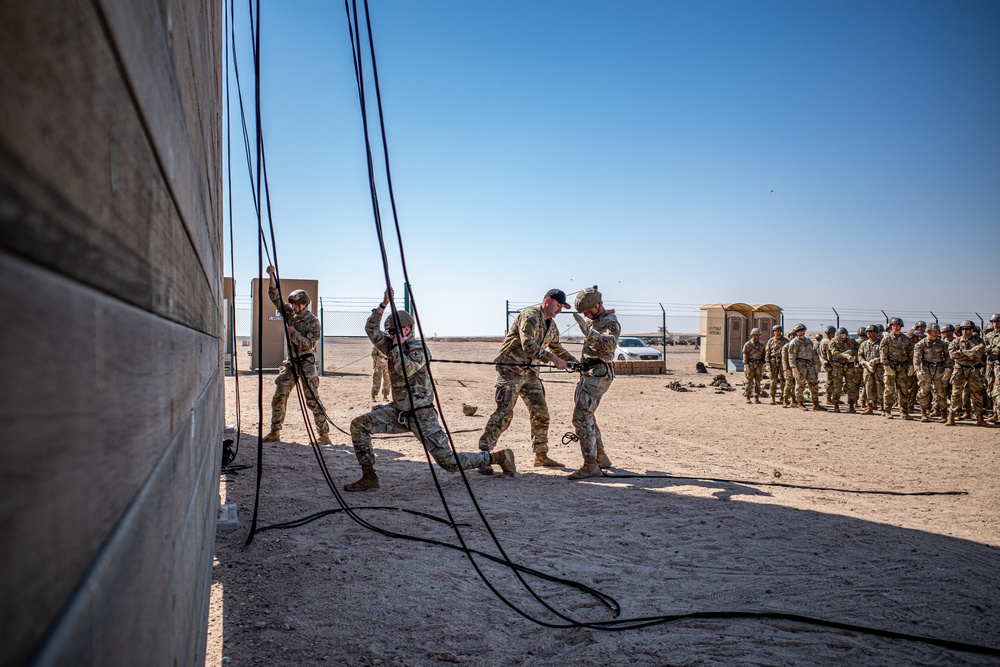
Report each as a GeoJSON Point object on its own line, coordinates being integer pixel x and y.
{"type": "Point", "coordinates": [680, 541]}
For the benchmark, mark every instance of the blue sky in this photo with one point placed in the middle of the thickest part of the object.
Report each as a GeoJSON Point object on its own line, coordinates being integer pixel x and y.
{"type": "Point", "coordinates": [806, 154]}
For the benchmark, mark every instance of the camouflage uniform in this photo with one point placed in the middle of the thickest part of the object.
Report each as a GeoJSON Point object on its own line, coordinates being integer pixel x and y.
{"type": "Point", "coordinates": [842, 358]}
{"type": "Point", "coordinates": [380, 376]}
{"type": "Point", "coordinates": [824, 357]}
{"type": "Point", "coordinates": [992, 340]}
{"type": "Point", "coordinates": [304, 340]}
{"type": "Point", "coordinates": [803, 357]}
{"type": "Point", "coordinates": [874, 376]}
{"type": "Point", "coordinates": [934, 369]}
{"type": "Point", "coordinates": [967, 376]}
{"type": "Point", "coordinates": [401, 416]}
{"type": "Point", "coordinates": [911, 401]}
{"type": "Point", "coordinates": [896, 354]}
{"type": "Point", "coordinates": [772, 355]}
{"type": "Point", "coordinates": [788, 394]}
{"type": "Point", "coordinates": [596, 378]}
{"type": "Point", "coordinates": [531, 339]}
{"type": "Point", "coordinates": [753, 367]}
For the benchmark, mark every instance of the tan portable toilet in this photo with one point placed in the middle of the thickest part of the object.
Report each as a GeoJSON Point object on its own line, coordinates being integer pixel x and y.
{"type": "Point", "coordinates": [765, 316]}
{"type": "Point", "coordinates": [273, 352]}
{"type": "Point", "coordinates": [228, 324]}
{"type": "Point", "coordinates": [725, 327]}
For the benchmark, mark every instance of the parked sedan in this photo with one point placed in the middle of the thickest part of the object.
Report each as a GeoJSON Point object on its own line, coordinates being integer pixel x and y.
{"type": "Point", "coordinates": [633, 349]}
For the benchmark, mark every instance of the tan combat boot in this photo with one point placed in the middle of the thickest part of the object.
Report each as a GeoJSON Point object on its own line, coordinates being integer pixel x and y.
{"type": "Point", "coordinates": [993, 417]}
{"type": "Point", "coordinates": [850, 408]}
{"type": "Point", "coordinates": [836, 407]}
{"type": "Point", "coordinates": [323, 439]}
{"type": "Point", "coordinates": [801, 406]}
{"type": "Point", "coordinates": [589, 469]}
{"type": "Point", "coordinates": [542, 459]}
{"type": "Point", "coordinates": [369, 480]}
{"type": "Point", "coordinates": [817, 407]}
{"type": "Point", "coordinates": [505, 459]}
{"type": "Point", "coordinates": [951, 418]}
{"type": "Point", "coordinates": [923, 415]}
{"type": "Point", "coordinates": [602, 459]}
{"type": "Point", "coordinates": [979, 419]}
{"type": "Point", "coordinates": [273, 436]}
{"type": "Point", "coordinates": [869, 410]}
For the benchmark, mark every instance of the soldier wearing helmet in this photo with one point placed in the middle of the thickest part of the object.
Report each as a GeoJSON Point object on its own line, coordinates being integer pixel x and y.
{"type": "Point", "coordinates": [967, 378]}
{"type": "Point", "coordinates": [871, 365]}
{"type": "Point", "coordinates": [948, 332]}
{"type": "Point", "coordinates": [412, 407]}
{"type": "Point", "coordinates": [992, 340]}
{"type": "Point", "coordinates": [803, 357]}
{"type": "Point", "coordinates": [896, 353]}
{"type": "Point", "coordinates": [933, 370]}
{"type": "Point", "coordinates": [533, 339]}
{"type": "Point", "coordinates": [772, 355]}
{"type": "Point", "coordinates": [788, 393]}
{"type": "Point", "coordinates": [862, 390]}
{"type": "Point", "coordinates": [921, 326]}
{"type": "Point", "coordinates": [601, 330]}
{"type": "Point", "coordinates": [753, 365]}
{"type": "Point", "coordinates": [304, 331]}
{"type": "Point", "coordinates": [843, 373]}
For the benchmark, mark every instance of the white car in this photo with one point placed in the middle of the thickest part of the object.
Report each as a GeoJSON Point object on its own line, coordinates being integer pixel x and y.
{"type": "Point", "coordinates": [633, 349]}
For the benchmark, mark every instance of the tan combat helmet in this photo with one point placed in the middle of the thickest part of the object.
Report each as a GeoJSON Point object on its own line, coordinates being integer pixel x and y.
{"type": "Point", "coordinates": [299, 296]}
{"type": "Point", "coordinates": [405, 320]}
{"type": "Point", "coordinates": [587, 299]}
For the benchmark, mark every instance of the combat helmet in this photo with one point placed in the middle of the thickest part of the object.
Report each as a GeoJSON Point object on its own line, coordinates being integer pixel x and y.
{"type": "Point", "coordinates": [920, 323]}
{"type": "Point", "coordinates": [830, 330]}
{"type": "Point", "coordinates": [870, 328]}
{"type": "Point", "coordinates": [776, 327]}
{"type": "Point", "coordinates": [842, 331]}
{"type": "Point", "coordinates": [967, 324]}
{"type": "Point", "coordinates": [799, 327]}
{"type": "Point", "coordinates": [587, 299]}
{"type": "Point", "coordinates": [299, 296]}
{"type": "Point", "coordinates": [934, 327]}
{"type": "Point", "coordinates": [862, 331]}
{"type": "Point", "coordinates": [881, 327]}
{"type": "Point", "coordinates": [995, 317]}
{"type": "Point", "coordinates": [755, 331]}
{"type": "Point", "coordinates": [895, 320]}
{"type": "Point", "coordinates": [405, 320]}
{"type": "Point", "coordinates": [948, 327]}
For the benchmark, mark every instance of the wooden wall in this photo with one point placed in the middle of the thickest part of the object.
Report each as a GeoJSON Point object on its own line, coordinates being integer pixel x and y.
{"type": "Point", "coordinates": [110, 295]}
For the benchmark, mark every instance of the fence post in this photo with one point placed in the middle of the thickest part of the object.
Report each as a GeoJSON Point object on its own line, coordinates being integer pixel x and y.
{"type": "Point", "coordinates": [838, 316]}
{"type": "Point", "coordinates": [506, 317]}
{"type": "Point", "coordinates": [322, 338]}
{"type": "Point", "coordinates": [664, 336]}
{"type": "Point", "coordinates": [934, 316]}
{"type": "Point", "coordinates": [982, 322]}
{"type": "Point", "coordinates": [885, 316]}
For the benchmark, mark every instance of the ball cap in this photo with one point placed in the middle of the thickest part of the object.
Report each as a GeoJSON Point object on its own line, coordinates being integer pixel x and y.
{"type": "Point", "coordinates": [559, 296]}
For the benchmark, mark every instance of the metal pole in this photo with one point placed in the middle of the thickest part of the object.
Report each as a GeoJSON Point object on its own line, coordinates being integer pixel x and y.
{"type": "Point", "coordinates": [664, 335]}
{"type": "Point", "coordinates": [838, 316]}
{"type": "Point", "coordinates": [982, 323]}
{"type": "Point", "coordinates": [506, 318]}
{"type": "Point", "coordinates": [322, 338]}
{"type": "Point", "coordinates": [886, 317]}
{"type": "Point", "coordinates": [406, 298]}
{"type": "Point", "coordinates": [933, 315]}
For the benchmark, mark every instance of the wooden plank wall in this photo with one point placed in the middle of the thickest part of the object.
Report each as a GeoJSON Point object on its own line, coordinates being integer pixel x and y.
{"type": "Point", "coordinates": [110, 262]}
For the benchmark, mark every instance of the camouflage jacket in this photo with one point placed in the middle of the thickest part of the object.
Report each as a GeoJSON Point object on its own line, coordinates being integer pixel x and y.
{"type": "Point", "coordinates": [378, 358]}
{"type": "Point", "coordinates": [753, 353]}
{"type": "Point", "coordinates": [307, 327]}
{"type": "Point", "coordinates": [602, 340]}
{"type": "Point", "coordinates": [967, 352]}
{"type": "Point", "coordinates": [802, 349]}
{"type": "Point", "coordinates": [895, 349]}
{"type": "Point", "coordinates": [532, 339]}
{"type": "Point", "coordinates": [992, 339]}
{"type": "Point", "coordinates": [869, 356]}
{"type": "Point", "coordinates": [412, 360]}
{"type": "Point", "coordinates": [843, 352]}
{"type": "Point", "coordinates": [928, 351]}
{"type": "Point", "coordinates": [772, 351]}
{"type": "Point", "coordinates": [824, 351]}
{"type": "Point", "coordinates": [785, 362]}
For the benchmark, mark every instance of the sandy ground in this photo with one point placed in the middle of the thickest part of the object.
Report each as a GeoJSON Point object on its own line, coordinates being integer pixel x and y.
{"type": "Point", "coordinates": [332, 592]}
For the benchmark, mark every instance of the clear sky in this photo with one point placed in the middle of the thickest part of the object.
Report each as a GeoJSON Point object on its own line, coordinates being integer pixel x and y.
{"type": "Point", "coordinates": [808, 154]}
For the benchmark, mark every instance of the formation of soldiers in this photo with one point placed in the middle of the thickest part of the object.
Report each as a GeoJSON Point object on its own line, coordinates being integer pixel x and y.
{"type": "Point", "coordinates": [946, 372]}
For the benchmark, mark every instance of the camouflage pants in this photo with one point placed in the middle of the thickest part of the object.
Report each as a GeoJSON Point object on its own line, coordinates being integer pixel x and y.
{"type": "Point", "coordinates": [589, 392]}
{"type": "Point", "coordinates": [967, 381]}
{"type": "Point", "coordinates": [510, 385]}
{"type": "Point", "coordinates": [875, 386]}
{"type": "Point", "coordinates": [841, 377]}
{"type": "Point", "coordinates": [911, 398]}
{"type": "Point", "coordinates": [754, 373]}
{"type": "Point", "coordinates": [285, 382]}
{"type": "Point", "coordinates": [389, 419]}
{"type": "Point", "coordinates": [897, 382]}
{"type": "Point", "coordinates": [777, 378]}
{"type": "Point", "coordinates": [932, 384]}
{"type": "Point", "coordinates": [380, 378]}
{"type": "Point", "coordinates": [788, 391]}
{"type": "Point", "coordinates": [807, 374]}
{"type": "Point", "coordinates": [993, 383]}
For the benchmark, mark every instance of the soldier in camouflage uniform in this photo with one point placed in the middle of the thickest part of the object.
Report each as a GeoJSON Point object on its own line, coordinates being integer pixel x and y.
{"type": "Point", "coordinates": [803, 357]}
{"type": "Point", "coordinates": [601, 331]}
{"type": "Point", "coordinates": [916, 336]}
{"type": "Point", "coordinates": [753, 364]}
{"type": "Point", "coordinates": [304, 332]}
{"type": "Point", "coordinates": [533, 338]}
{"type": "Point", "coordinates": [871, 364]}
{"type": "Point", "coordinates": [824, 342]}
{"type": "Point", "coordinates": [969, 356]}
{"type": "Point", "coordinates": [772, 355]}
{"type": "Point", "coordinates": [788, 394]}
{"type": "Point", "coordinates": [380, 374]}
{"type": "Point", "coordinates": [842, 353]}
{"type": "Point", "coordinates": [933, 367]}
{"type": "Point", "coordinates": [896, 353]}
{"type": "Point", "coordinates": [862, 390]}
{"type": "Point", "coordinates": [992, 340]}
{"type": "Point", "coordinates": [412, 408]}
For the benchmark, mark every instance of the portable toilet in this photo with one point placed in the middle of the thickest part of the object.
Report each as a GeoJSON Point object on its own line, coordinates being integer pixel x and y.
{"type": "Point", "coordinates": [725, 327]}
{"type": "Point", "coordinates": [765, 316]}
{"type": "Point", "coordinates": [273, 338]}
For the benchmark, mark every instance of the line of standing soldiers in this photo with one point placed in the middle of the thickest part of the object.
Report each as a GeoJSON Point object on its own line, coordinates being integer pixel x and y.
{"type": "Point", "coordinates": [946, 375]}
